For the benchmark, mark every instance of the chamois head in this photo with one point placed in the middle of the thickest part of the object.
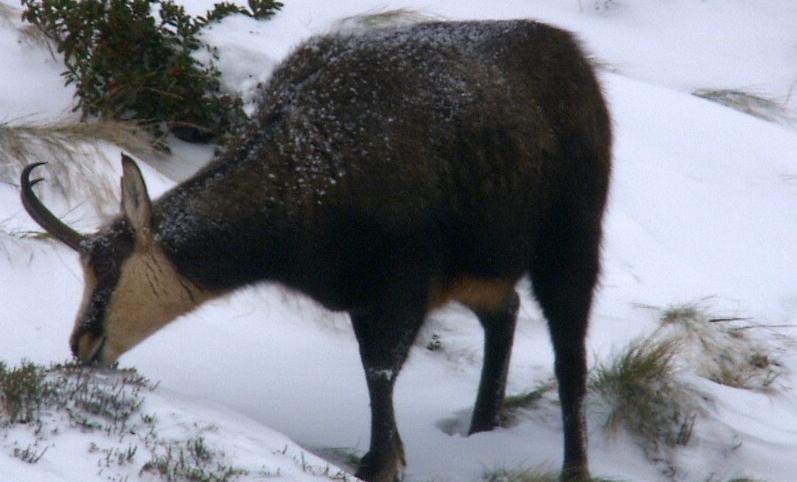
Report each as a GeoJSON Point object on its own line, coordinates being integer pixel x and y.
{"type": "Point", "coordinates": [131, 288]}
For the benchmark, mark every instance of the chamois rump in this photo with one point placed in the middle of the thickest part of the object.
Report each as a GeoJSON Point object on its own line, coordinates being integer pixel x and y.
{"type": "Point", "coordinates": [384, 174]}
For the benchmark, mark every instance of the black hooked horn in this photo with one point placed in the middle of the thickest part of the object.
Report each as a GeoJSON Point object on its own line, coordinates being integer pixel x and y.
{"type": "Point", "coordinates": [46, 219]}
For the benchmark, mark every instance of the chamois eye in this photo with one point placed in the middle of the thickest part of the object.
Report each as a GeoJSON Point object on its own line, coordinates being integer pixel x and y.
{"type": "Point", "coordinates": [103, 266]}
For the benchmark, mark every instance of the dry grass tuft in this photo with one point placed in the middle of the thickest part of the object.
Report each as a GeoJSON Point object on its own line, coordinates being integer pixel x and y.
{"type": "Point", "coordinates": [514, 404]}
{"type": "Point", "coordinates": [749, 103]}
{"type": "Point", "coordinates": [646, 388]}
{"type": "Point", "coordinates": [383, 19]}
{"type": "Point", "coordinates": [645, 397]}
{"type": "Point", "coordinates": [25, 142]}
{"type": "Point", "coordinates": [7, 12]}
{"type": "Point", "coordinates": [724, 350]}
{"type": "Point", "coordinates": [66, 147]}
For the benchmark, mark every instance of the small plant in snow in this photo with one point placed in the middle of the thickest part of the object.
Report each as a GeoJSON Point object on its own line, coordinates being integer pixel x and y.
{"type": "Point", "coordinates": [434, 343]}
{"type": "Point", "coordinates": [318, 471]}
{"type": "Point", "coordinates": [30, 454]}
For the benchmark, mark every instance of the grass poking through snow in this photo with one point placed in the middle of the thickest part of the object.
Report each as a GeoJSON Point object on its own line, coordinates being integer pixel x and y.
{"type": "Point", "coordinates": [726, 350]}
{"type": "Point", "coordinates": [645, 397]}
{"type": "Point", "coordinates": [646, 390]}
{"type": "Point", "coordinates": [514, 404]}
{"type": "Point", "coordinates": [528, 475]}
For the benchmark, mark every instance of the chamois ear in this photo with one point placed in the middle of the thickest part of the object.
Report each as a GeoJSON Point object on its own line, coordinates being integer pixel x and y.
{"type": "Point", "coordinates": [135, 199]}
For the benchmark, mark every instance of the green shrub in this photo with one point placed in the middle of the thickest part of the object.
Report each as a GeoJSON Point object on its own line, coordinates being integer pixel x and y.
{"type": "Point", "coordinates": [127, 63]}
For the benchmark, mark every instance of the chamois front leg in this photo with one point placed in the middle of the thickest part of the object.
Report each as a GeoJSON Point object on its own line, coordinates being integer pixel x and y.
{"type": "Point", "coordinates": [499, 331]}
{"type": "Point", "coordinates": [384, 340]}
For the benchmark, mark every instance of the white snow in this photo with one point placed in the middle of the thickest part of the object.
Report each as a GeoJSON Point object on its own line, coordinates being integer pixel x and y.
{"type": "Point", "coordinates": [703, 209]}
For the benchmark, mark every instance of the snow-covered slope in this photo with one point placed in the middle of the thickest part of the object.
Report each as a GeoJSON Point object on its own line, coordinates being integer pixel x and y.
{"type": "Point", "coordinates": [703, 211]}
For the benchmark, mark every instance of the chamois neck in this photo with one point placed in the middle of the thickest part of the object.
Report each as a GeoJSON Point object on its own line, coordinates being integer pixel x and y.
{"type": "Point", "coordinates": [225, 228]}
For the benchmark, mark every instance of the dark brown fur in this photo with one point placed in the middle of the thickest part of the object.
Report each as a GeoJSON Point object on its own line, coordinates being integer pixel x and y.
{"type": "Point", "coordinates": [388, 172]}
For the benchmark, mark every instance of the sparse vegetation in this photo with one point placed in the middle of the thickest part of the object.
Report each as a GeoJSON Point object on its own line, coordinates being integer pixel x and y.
{"type": "Point", "coordinates": [527, 475]}
{"type": "Point", "coordinates": [31, 392]}
{"type": "Point", "coordinates": [107, 403]}
{"type": "Point", "coordinates": [190, 460]}
{"type": "Point", "coordinates": [22, 393]}
{"type": "Point", "coordinates": [734, 479]}
{"type": "Point", "coordinates": [30, 454]}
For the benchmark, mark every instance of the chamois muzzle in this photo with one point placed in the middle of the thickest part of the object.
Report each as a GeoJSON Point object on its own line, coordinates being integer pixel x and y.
{"type": "Point", "coordinates": [87, 347]}
{"type": "Point", "coordinates": [43, 217]}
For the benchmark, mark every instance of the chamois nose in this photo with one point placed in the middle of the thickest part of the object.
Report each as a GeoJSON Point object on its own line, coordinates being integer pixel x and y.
{"type": "Point", "coordinates": [87, 347]}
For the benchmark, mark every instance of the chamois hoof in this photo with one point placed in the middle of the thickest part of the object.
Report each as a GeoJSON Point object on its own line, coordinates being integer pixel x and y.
{"type": "Point", "coordinates": [389, 470]}
{"type": "Point", "coordinates": [579, 473]}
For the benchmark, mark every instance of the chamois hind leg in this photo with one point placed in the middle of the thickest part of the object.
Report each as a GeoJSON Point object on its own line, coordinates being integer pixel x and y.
{"type": "Point", "coordinates": [385, 337]}
{"type": "Point", "coordinates": [499, 331]}
{"type": "Point", "coordinates": [564, 274]}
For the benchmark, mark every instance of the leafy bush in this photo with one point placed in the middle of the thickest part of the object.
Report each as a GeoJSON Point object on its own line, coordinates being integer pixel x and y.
{"type": "Point", "coordinates": [128, 64]}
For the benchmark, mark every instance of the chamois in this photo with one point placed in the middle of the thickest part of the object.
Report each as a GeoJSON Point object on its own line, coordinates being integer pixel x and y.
{"type": "Point", "coordinates": [384, 174]}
